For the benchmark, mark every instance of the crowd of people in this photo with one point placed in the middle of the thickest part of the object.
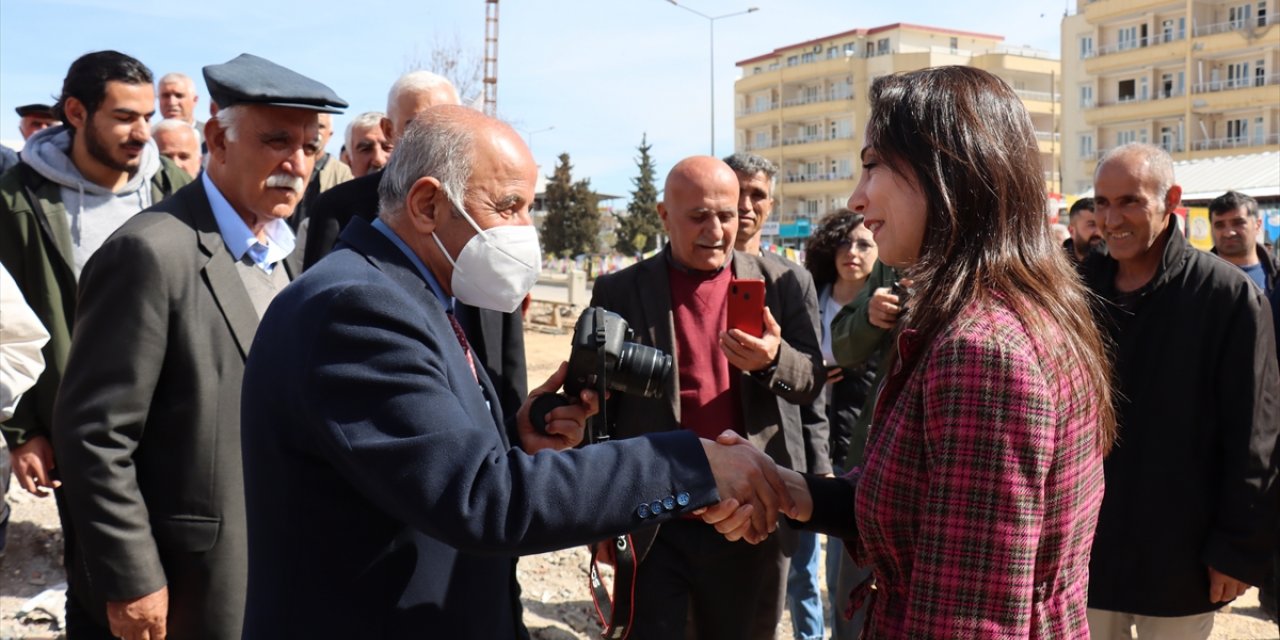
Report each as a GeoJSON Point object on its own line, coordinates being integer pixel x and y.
{"type": "Point", "coordinates": [277, 393]}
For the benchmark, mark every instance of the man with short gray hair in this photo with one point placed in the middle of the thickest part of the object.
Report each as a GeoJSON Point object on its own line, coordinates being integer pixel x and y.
{"type": "Point", "coordinates": [367, 145]}
{"type": "Point", "coordinates": [178, 142]}
{"type": "Point", "coordinates": [1188, 520]}
{"type": "Point", "coordinates": [371, 425]}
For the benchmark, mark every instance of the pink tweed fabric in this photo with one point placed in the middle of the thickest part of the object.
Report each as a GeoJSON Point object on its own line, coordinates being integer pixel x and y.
{"type": "Point", "coordinates": [980, 491]}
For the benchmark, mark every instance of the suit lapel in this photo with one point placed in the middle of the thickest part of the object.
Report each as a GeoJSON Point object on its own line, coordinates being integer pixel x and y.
{"type": "Point", "coordinates": [220, 272]}
{"type": "Point", "coordinates": [659, 321]}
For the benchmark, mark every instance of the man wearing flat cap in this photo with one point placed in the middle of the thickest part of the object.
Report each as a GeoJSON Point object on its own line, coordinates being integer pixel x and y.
{"type": "Point", "coordinates": [147, 423]}
{"type": "Point", "coordinates": [34, 118]}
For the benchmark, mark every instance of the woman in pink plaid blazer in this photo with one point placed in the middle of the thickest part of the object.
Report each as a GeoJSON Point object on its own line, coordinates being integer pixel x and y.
{"type": "Point", "coordinates": [978, 498]}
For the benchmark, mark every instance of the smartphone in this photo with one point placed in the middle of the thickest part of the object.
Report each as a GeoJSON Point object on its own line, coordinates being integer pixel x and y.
{"type": "Point", "coordinates": [746, 306]}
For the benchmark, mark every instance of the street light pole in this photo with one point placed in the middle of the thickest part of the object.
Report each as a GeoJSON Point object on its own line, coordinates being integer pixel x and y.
{"type": "Point", "coordinates": [529, 136]}
{"type": "Point", "coordinates": [711, 23]}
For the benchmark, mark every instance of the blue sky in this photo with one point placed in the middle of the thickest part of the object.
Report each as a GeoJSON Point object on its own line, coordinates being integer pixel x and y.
{"type": "Point", "coordinates": [601, 72]}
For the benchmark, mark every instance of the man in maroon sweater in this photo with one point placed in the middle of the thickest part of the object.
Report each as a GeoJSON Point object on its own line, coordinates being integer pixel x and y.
{"type": "Point", "coordinates": [677, 301]}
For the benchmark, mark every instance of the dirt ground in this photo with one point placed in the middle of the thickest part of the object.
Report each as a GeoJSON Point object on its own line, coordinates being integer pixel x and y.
{"type": "Point", "coordinates": [556, 599]}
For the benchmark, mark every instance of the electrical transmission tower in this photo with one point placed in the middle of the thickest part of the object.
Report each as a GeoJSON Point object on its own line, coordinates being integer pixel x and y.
{"type": "Point", "coordinates": [491, 58]}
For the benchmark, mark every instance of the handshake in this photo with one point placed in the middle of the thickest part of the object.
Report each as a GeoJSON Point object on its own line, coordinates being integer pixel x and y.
{"type": "Point", "coordinates": [753, 490]}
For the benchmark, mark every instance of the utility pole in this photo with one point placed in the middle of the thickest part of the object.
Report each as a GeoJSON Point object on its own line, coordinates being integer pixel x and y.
{"type": "Point", "coordinates": [491, 58]}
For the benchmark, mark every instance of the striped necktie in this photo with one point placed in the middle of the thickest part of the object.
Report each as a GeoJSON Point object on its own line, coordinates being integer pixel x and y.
{"type": "Point", "coordinates": [462, 341]}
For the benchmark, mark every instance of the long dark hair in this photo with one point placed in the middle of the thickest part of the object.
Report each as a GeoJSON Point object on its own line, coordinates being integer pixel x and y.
{"type": "Point", "coordinates": [969, 143]}
{"type": "Point", "coordinates": [820, 248]}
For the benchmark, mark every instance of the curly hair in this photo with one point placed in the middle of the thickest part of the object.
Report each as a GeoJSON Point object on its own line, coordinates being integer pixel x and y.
{"type": "Point", "coordinates": [820, 249]}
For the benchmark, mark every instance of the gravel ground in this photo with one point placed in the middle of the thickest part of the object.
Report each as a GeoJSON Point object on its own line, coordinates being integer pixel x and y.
{"type": "Point", "coordinates": [556, 599]}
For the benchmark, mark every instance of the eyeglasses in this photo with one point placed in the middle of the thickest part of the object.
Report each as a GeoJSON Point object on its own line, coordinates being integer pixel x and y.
{"type": "Point", "coordinates": [861, 246]}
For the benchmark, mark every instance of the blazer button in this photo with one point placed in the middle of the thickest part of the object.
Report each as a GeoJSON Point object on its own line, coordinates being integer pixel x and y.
{"type": "Point", "coordinates": [643, 511]}
{"type": "Point", "coordinates": [656, 507]}
{"type": "Point", "coordinates": [682, 498]}
{"type": "Point", "coordinates": [669, 503]}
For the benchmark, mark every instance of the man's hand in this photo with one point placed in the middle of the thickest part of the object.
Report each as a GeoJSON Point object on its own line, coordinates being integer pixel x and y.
{"type": "Point", "coordinates": [1223, 587]}
{"type": "Point", "coordinates": [883, 308]}
{"type": "Point", "coordinates": [835, 374]}
{"type": "Point", "coordinates": [746, 475]}
{"type": "Point", "coordinates": [565, 425]}
{"type": "Point", "coordinates": [143, 618]}
{"type": "Point", "coordinates": [32, 463]}
{"type": "Point", "coordinates": [734, 520]}
{"type": "Point", "coordinates": [749, 353]}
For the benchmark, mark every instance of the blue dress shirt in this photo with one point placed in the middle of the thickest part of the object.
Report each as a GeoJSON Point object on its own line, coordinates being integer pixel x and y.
{"type": "Point", "coordinates": [241, 240]}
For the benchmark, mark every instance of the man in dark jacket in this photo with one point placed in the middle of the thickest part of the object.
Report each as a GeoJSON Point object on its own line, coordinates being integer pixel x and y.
{"type": "Point", "coordinates": [1235, 226]}
{"type": "Point", "coordinates": [75, 185]}
{"type": "Point", "coordinates": [1188, 521]}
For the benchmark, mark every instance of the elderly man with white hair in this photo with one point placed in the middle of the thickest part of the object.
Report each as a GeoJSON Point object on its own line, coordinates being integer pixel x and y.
{"type": "Point", "coordinates": [178, 142]}
{"type": "Point", "coordinates": [368, 147]}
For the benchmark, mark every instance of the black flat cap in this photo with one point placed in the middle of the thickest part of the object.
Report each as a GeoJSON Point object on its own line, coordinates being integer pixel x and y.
{"type": "Point", "coordinates": [248, 79]}
{"type": "Point", "coordinates": [35, 110]}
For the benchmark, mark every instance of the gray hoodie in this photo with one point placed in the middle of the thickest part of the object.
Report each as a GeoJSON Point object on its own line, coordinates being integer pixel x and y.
{"type": "Point", "coordinates": [94, 211]}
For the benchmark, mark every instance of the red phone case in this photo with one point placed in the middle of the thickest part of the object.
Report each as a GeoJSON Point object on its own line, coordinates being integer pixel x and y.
{"type": "Point", "coordinates": [746, 306]}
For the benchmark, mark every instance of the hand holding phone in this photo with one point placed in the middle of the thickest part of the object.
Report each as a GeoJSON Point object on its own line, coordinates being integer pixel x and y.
{"type": "Point", "coordinates": [746, 307]}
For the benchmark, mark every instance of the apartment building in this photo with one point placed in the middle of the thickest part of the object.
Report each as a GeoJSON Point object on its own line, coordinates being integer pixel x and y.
{"type": "Point", "coordinates": [1199, 77]}
{"type": "Point", "coordinates": [804, 107]}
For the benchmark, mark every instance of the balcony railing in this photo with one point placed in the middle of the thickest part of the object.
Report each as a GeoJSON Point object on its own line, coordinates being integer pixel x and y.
{"type": "Point", "coordinates": [1235, 25]}
{"type": "Point", "coordinates": [821, 137]}
{"type": "Point", "coordinates": [1160, 95]}
{"type": "Point", "coordinates": [1048, 135]}
{"type": "Point", "coordinates": [818, 177]}
{"type": "Point", "coordinates": [1043, 96]}
{"type": "Point", "coordinates": [1236, 83]}
{"type": "Point", "coordinates": [757, 108]}
{"type": "Point", "coordinates": [821, 96]}
{"type": "Point", "coordinates": [1137, 43]}
{"type": "Point", "coordinates": [1232, 142]}
{"type": "Point", "coordinates": [767, 144]}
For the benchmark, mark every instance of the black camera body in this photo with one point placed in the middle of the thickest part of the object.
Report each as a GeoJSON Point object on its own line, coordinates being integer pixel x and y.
{"type": "Point", "coordinates": [604, 357]}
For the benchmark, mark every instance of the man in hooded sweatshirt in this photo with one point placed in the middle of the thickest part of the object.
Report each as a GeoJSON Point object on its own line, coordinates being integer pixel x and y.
{"type": "Point", "coordinates": [76, 184]}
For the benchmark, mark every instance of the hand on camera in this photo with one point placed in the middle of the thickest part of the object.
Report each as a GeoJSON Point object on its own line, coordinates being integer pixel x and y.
{"type": "Point", "coordinates": [566, 424]}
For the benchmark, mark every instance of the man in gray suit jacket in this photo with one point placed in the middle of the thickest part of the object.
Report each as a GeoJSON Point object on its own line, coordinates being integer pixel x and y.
{"type": "Point", "coordinates": [147, 421]}
{"type": "Point", "coordinates": [676, 301]}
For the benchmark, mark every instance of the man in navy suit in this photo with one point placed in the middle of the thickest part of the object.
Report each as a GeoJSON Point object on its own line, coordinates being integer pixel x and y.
{"type": "Point", "coordinates": [384, 495]}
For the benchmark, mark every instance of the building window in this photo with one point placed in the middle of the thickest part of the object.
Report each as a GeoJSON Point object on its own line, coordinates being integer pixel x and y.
{"type": "Point", "coordinates": [850, 48]}
{"type": "Point", "coordinates": [882, 46]}
{"type": "Point", "coordinates": [756, 70]}
{"type": "Point", "coordinates": [1166, 31]}
{"type": "Point", "coordinates": [832, 52]}
{"type": "Point", "coordinates": [1169, 140]}
{"type": "Point", "coordinates": [1086, 47]}
{"type": "Point", "coordinates": [1262, 13]}
{"type": "Point", "coordinates": [1238, 130]}
{"type": "Point", "coordinates": [1257, 131]}
{"type": "Point", "coordinates": [1260, 73]}
{"type": "Point", "coordinates": [871, 49]}
{"type": "Point", "coordinates": [811, 207]}
{"type": "Point", "coordinates": [1086, 96]}
{"type": "Point", "coordinates": [1127, 38]}
{"type": "Point", "coordinates": [807, 58]}
{"type": "Point", "coordinates": [1086, 145]}
{"type": "Point", "coordinates": [1239, 15]}
{"type": "Point", "coordinates": [1125, 137]}
{"type": "Point", "coordinates": [762, 140]}
{"type": "Point", "coordinates": [773, 66]}
{"type": "Point", "coordinates": [793, 61]}
{"type": "Point", "coordinates": [1237, 75]}
{"type": "Point", "coordinates": [1126, 91]}
{"type": "Point", "coordinates": [955, 44]}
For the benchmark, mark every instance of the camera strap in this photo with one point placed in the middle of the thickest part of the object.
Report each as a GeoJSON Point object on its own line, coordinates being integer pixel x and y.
{"type": "Point", "coordinates": [616, 611]}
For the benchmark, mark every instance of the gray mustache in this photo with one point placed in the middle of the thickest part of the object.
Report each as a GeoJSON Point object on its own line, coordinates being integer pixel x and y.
{"type": "Point", "coordinates": [286, 181]}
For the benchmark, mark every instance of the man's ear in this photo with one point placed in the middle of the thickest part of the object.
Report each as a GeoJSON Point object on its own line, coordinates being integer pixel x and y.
{"type": "Point", "coordinates": [385, 125]}
{"type": "Point", "coordinates": [215, 138]}
{"type": "Point", "coordinates": [1173, 198]}
{"type": "Point", "coordinates": [77, 114]}
{"type": "Point", "coordinates": [662, 211]}
{"type": "Point", "coordinates": [421, 204]}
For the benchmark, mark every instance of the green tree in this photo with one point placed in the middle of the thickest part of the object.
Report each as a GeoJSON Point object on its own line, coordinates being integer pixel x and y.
{"type": "Point", "coordinates": [572, 225]}
{"type": "Point", "coordinates": [638, 231]}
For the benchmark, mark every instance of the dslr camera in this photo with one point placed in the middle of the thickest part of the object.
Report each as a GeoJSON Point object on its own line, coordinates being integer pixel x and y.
{"type": "Point", "coordinates": [604, 357]}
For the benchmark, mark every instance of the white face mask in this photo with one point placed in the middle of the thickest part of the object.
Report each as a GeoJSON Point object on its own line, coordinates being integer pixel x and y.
{"type": "Point", "coordinates": [497, 267]}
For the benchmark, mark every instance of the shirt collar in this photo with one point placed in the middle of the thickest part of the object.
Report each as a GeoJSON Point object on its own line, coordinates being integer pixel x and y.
{"type": "Point", "coordinates": [240, 239]}
{"type": "Point", "coordinates": [417, 262]}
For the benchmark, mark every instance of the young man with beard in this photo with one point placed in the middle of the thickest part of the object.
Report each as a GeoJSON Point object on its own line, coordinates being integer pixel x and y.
{"type": "Point", "coordinates": [147, 421]}
{"type": "Point", "coordinates": [1236, 224]}
{"type": "Point", "coordinates": [1085, 236]}
{"type": "Point", "coordinates": [75, 185]}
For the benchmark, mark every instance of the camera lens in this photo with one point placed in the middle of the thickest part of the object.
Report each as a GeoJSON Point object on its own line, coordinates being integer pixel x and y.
{"type": "Point", "coordinates": [641, 370]}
